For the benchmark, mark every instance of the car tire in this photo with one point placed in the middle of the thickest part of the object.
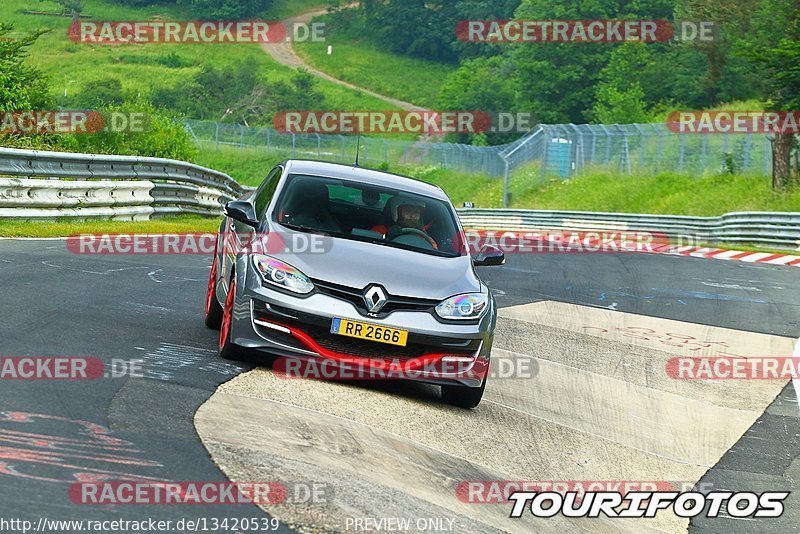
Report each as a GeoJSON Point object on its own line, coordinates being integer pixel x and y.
{"type": "Point", "coordinates": [463, 396]}
{"type": "Point", "coordinates": [213, 309]}
{"type": "Point", "coordinates": [228, 350]}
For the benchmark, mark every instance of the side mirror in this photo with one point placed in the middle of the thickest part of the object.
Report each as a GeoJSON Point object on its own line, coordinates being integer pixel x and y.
{"type": "Point", "coordinates": [242, 211]}
{"type": "Point", "coordinates": [489, 255]}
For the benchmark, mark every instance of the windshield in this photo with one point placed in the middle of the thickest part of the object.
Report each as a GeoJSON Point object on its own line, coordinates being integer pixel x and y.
{"type": "Point", "coordinates": [366, 212]}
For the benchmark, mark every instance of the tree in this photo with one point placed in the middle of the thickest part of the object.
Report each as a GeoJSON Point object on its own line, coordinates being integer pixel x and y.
{"type": "Point", "coordinates": [557, 81]}
{"type": "Point", "coordinates": [766, 34]}
{"type": "Point", "coordinates": [21, 87]}
{"type": "Point", "coordinates": [777, 52]}
{"type": "Point", "coordinates": [619, 94]}
{"type": "Point", "coordinates": [480, 84]}
{"type": "Point", "coordinates": [783, 63]}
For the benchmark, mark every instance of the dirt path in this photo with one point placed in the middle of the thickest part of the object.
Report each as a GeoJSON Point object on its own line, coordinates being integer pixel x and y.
{"type": "Point", "coordinates": [284, 53]}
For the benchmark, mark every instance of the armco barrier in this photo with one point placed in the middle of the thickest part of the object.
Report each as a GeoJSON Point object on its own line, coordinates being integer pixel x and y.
{"type": "Point", "coordinates": [55, 184]}
{"type": "Point", "coordinates": [778, 230]}
{"type": "Point", "coordinates": [43, 185]}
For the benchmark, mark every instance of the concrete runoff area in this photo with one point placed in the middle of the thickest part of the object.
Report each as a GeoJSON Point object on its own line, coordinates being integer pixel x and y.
{"type": "Point", "coordinates": [600, 407]}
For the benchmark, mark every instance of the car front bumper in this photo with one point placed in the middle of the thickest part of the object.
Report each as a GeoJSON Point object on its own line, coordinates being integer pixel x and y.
{"type": "Point", "coordinates": [298, 328]}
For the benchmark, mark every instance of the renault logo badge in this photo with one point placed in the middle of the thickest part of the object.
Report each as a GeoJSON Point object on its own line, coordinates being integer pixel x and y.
{"type": "Point", "coordinates": [375, 299]}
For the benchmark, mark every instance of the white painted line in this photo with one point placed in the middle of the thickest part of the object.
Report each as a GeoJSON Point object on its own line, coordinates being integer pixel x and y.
{"type": "Point", "coordinates": [34, 238]}
{"type": "Point", "coordinates": [727, 254]}
{"type": "Point", "coordinates": [783, 260]}
{"type": "Point", "coordinates": [756, 256]}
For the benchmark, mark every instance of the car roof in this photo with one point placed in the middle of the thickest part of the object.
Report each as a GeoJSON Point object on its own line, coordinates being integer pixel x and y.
{"type": "Point", "coordinates": [362, 175]}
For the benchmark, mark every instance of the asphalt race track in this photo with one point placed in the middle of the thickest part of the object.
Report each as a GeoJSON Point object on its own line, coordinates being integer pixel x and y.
{"type": "Point", "coordinates": [598, 328]}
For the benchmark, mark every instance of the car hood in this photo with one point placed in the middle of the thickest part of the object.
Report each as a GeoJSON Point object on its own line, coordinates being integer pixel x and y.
{"type": "Point", "coordinates": [401, 272]}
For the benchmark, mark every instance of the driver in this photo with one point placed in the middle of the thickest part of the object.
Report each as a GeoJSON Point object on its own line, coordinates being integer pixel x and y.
{"type": "Point", "coordinates": [408, 213]}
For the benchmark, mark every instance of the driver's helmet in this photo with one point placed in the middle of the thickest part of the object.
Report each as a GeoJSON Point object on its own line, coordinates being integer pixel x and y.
{"type": "Point", "coordinates": [404, 206]}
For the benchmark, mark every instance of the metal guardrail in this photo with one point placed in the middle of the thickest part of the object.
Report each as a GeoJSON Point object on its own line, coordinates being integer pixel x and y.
{"type": "Point", "coordinates": [61, 184]}
{"type": "Point", "coordinates": [778, 230]}
{"type": "Point", "coordinates": [37, 185]}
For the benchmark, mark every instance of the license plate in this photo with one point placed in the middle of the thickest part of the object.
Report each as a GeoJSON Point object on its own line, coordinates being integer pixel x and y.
{"type": "Point", "coordinates": [371, 332]}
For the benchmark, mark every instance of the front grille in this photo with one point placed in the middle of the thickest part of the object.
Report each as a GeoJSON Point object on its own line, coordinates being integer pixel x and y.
{"type": "Point", "coordinates": [318, 328]}
{"type": "Point", "coordinates": [356, 297]}
{"type": "Point", "coordinates": [366, 349]}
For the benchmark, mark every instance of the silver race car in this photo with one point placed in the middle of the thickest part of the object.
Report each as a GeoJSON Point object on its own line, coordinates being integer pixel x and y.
{"type": "Point", "coordinates": [364, 269]}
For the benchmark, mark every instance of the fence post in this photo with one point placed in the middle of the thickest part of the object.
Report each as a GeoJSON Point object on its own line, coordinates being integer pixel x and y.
{"type": "Point", "coordinates": [216, 136]}
{"type": "Point", "coordinates": [545, 154]}
{"type": "Point", "coordinates": [319, 146]}
{"type": "Point", "coordinates": [747, 143]}
{"type": "Point", "coordinates": [767, 154]}
{"type": "Point", "coordinates": [241, 135]}
{"type": "Point", "coordinates": [505, 181]}
{"type": "Point", "coordinates": [703, 152]}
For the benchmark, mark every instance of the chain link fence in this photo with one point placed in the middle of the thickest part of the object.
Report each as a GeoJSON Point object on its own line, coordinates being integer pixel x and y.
{"type": "Point", "coordinates": [549, 150]}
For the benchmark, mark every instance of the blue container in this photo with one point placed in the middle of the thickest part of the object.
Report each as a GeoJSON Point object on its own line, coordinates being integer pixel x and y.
{"type": "Point", "coordinates": [559, 156]}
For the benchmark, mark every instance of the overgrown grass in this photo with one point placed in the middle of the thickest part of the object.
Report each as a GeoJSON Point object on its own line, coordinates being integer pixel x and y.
{"type": "Point", "coordinates": [674, 194]}
{"type": "Point", "coordinates": [668, 193]}
{"type": "Point", "coordinates": [248, 166]}
{"type": "Point", "coordinates": [143, 68]}
{"type": "Point", "coordinates": [61, 228]}
{"type": "Point", "coordinates": [360, 61]}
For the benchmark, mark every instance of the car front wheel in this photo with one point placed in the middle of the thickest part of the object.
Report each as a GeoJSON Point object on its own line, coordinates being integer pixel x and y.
{"type": "Point", "coordinates": [228, 350]}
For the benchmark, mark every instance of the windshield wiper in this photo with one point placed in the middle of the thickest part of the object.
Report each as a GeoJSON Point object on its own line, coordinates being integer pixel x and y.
{"type": "Point", "coordinates": [301, 228]}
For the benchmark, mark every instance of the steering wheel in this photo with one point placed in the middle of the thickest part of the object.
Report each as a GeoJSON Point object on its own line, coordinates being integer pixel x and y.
{"type": "Point", "coordinates": [418, 233]}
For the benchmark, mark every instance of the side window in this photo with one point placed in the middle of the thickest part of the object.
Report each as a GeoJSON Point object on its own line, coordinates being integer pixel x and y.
{"type": "Point", "coordinates": [265, 194]}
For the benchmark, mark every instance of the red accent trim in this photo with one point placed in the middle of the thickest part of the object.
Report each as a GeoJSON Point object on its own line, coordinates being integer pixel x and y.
{"type": "Point", "coordinates": [411, 364]}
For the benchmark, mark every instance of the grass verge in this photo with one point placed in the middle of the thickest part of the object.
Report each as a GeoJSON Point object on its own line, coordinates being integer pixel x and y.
{"type": "Point", "coordinates": [62, 228]}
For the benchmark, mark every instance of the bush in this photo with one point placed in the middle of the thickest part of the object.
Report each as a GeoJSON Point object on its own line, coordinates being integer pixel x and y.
{"type": "Point", "coordinates": [162, 137]}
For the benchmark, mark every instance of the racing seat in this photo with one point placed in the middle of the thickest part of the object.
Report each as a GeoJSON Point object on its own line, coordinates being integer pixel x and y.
{"type": "Point", "coordinates": [309, 205]}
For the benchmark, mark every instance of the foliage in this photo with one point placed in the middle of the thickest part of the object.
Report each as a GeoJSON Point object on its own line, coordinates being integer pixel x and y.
{"type": "Point", "coordinates": [162, 137]}
{"type": "Point", "coordinates": [235, 93]}
{"type": "Point", "coordinates": [22, 87]}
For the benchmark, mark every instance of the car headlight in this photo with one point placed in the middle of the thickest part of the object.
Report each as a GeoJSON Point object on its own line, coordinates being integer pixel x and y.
{"type": "Point", "coordinates": [278, 273]}
{"type": "Point", "coordinates": [468, 306]}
